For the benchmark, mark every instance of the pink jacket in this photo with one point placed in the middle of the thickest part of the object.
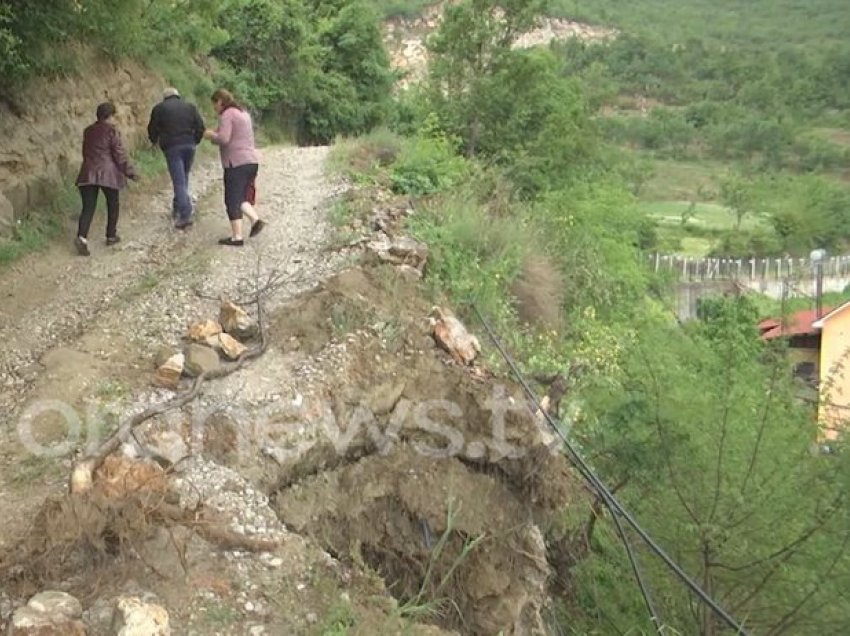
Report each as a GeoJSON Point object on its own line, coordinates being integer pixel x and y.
{"type": "Point", "coordinates": [235, 138]}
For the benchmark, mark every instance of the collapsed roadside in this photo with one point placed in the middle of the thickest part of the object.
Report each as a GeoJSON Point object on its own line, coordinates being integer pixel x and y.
{"type": "Point", "coordinates": [353, 475]}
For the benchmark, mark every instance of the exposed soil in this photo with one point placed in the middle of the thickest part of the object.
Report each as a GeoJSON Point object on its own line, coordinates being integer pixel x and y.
{"type": "Point", "coordinates": [352, 480]}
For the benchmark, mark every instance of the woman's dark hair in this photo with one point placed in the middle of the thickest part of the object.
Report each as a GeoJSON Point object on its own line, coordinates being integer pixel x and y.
{"type": "Point", "coordinates": [105, 111]}
{"type": "Point", "coordinates": [226, 98]}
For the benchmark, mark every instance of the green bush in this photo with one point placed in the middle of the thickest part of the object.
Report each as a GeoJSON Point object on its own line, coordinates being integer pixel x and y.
{"type": "Point", "coordinates": [474, 255]}
{"type": "Point", "coordinates": [426, 165]}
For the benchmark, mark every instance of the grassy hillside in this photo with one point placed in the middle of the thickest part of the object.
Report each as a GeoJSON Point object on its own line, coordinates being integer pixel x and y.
{"type": "Point", "coordinates": [748, 24]}
{"type": "Point", "coordinates": [710, 93]}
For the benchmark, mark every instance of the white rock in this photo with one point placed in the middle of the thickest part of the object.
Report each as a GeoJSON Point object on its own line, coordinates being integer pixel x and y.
{"type": "Point", "coordinates": [133, 617]}
{"type": "Point", "coordinates": [52, 602]}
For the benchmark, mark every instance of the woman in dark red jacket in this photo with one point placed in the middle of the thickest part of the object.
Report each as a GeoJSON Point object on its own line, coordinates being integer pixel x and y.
{"type": "Point", "coordinates": [107, 167]}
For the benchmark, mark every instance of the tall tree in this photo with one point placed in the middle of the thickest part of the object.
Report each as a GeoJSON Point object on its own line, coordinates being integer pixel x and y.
{"type": "Point", "coordinates": [716, 456]}
{"type": "Point", "coordinates": [469, 47]}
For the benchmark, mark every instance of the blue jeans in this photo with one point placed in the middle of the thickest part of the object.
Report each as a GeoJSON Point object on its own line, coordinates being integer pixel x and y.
{"type": "Point", "coordinates": [179, 160]}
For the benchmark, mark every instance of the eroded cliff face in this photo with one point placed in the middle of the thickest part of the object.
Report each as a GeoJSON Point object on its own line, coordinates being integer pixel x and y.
{"type": "Point", "coordinates": [41, 146]}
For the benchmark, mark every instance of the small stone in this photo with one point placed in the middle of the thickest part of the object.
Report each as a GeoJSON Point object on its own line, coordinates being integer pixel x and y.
{"type": "Point", "coordinates": [249, 606]}
{"type": "Point", "coordinates": [312, 618]}
{"type": "Point", "coordinates": [170, 445]}
{"type": "Point", "coordinates": [54, 602]}
{"type": "Point", "coordinates": [450, 334]}
{"type": "Point", "coordinates": [201, 330]}
{"type": "Point", "coordinates": [237, 322]}
{"type": "Point", "coordinates": [257, 630]}
{"type": "Point", "coordinates": [27, 621]}
{"type": "Point", "coordinates": [200, 359]}
{"type": "Point", "coordinates": [168, 374]}
{"type": "Point", "coordinates": [133, 617]}
{"type": "Point", "coordinates": [230, 346]}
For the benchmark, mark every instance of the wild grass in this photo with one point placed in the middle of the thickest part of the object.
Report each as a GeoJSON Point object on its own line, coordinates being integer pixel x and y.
{"type": "Point", "coordinates": [431, 598]}
{"type": "Point", "coordinates": [364, 158]}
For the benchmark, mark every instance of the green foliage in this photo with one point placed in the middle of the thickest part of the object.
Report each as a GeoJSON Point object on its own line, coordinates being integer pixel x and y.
{"type": "Point", "coordinates": [474, 256]}
{"type": "Point", "coordinates": [321, 68]}
{"type": "Point", "coordinates": [363, 159]}
{"type": "Point", "coordinates": [426, 165]}
{"type": "Point", "coordinates": [699, 424]}
{"type": "Point", "coordinates": [808, 212]}
{"type": "Point", "coordinates": [268, 48]}
{"type": "Point", "coordinates": [35, 36]}
{"type": "Point", "coordinates": [468, 51]}
{"type": "Point", "coordinates": [339, 620]}
{"type": "Point", "coordinates": [737, 195]}
{"type": "Point", "coordinates": [318, 69]}
{"type": "Point", "coordinates": [705, 431]}
{"type": "Point", "coordinates": [400, 8]}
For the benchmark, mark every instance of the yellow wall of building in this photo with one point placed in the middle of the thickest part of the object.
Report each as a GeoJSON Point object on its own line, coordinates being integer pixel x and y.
{"type": "Point", "coordinates": [834, 411]}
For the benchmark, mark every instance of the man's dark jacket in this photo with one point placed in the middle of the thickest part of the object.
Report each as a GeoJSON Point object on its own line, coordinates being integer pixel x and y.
{"type": "Point", "coordinates": [175, 123]}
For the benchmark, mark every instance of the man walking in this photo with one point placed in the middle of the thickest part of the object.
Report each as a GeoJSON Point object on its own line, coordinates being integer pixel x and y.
{"type": "Point", "coordinates": [177, 126]}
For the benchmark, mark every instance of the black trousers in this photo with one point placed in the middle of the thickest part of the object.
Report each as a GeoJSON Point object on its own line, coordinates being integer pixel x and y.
{"type": "Point", "coordinates": [88, 193]}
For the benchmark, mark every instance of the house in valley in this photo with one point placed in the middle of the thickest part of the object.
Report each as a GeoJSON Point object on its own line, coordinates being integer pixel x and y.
{"type": "Point", "coordinates": [819, 346]}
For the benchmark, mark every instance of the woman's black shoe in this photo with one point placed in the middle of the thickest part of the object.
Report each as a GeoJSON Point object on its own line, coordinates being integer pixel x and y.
{"type": "Point", "coordinates": [231, 241]}
{"type": "Point", "coordinates": [257, 227]}
{"type": "Point", "coordinates": [82, 246]}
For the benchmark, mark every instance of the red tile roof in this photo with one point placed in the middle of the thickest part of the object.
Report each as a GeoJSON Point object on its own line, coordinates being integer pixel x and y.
{"type": "Point", "coordinates": [797, 324]}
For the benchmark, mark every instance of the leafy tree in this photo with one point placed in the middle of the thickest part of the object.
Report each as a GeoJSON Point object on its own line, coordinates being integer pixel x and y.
{"type": "Point", "coordinates": [809, 212]}
{"type": "Point", "coordinates": [352, 93]}
{"type": "Point", "coordinates": [738, 195]}
{"type": "Point", "coordinates": [467, 50]}
{"type": "Point", "coordinates": [714, 453]}
{"type": "Point", "coordinates": [271, 51]}
{"type": "Point", "coordinates": [320, 67]}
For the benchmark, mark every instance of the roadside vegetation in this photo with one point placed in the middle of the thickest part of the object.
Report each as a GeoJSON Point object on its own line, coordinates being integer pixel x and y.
{"type": "Point", "coordinates": [539, 186]}
{"type": "Point", "coordinates": [541, 178]}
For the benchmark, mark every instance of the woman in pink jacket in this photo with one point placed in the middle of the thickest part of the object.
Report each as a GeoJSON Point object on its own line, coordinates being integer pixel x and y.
{"type": "Point", "coordinates": [235, 139]}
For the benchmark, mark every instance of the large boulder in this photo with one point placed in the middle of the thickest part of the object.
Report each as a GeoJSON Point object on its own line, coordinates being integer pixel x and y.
{"type": "Point", "coordinates": [229, 346]}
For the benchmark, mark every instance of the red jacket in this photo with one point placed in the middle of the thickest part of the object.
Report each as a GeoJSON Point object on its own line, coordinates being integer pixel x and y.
{"type": "Point", "coordinates": [105, 161]}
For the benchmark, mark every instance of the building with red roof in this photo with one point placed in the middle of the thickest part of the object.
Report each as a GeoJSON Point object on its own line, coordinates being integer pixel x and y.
{"type": "Point", "coordinates": [820, 346]}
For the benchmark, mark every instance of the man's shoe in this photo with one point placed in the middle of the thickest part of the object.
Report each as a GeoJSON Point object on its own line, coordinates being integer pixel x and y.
{"type": "Point", "coordinates": [112, 240]}
{"type": "Point", "coordinates": [257, 227]}
{"type": "Point", "coordinates": [82, 246]}
{"type": "Point", "coordinates": [231, 241]}
{"type": "Point", "coordinates": [183, 224]}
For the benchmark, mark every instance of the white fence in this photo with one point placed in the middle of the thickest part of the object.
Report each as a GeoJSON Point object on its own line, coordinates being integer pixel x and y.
{"type": "Point", "coordinates": [702, 269]}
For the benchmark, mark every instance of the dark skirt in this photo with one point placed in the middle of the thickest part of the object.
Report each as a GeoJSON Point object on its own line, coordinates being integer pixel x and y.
{"type": "Point", "coordinates": [238, 188]}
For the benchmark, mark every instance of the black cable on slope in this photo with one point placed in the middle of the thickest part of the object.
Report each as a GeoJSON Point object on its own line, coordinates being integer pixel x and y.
{"type": "Point", "coordinates": [644, 590]}
{"type": "Point", "coordinates": [605, 494]}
